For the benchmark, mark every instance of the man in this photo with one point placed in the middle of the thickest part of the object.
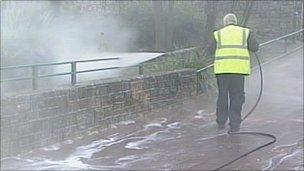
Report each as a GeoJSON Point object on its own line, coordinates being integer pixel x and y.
{"type": "Point", "coordinates": [231, 45]}
{"type": "Point", "coordinates": [103, 43]}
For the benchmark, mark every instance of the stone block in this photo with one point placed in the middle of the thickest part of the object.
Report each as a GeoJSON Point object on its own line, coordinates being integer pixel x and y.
{"type": "Point", "coordinates": [98, 116]}
{"type": "Point", "coordinates": [8, 107]}
{"type": "Point", "coordinates": [5, 145]}
{"type": "Point", "coordinates": [6, 121]}
{"type": "Point", "coordinates": [107, 110]}
{"type": "Point", "coordinates": [36, 126]}
{"type": "Point", "coordinates": [156, 105]}
{"type": "Point", "coordinates": [26, 141]}
{"type": "Point", "coordinates": [66, 132]}
{"type": "Point", "coordinates": [27, 116]}
{"type": "Point", "coordinates": [114, 87]}
{"type": "Point", "coordinates": [136, 85]}
{"type": "Point", "coordinates": [23, 104]}
{"type": "Point", "coordinates": [85, 117]}
{"type": "Point", "coordinates": [105, 100]}
{"type": "Point", "coordinates": [116, 97]}
{"type": "Point", "coordinates": [102, 89]}
{"type": "Point", "coordinates": [61, 101]}
{"type": "Point", "coordinates": [117, 106]}
{"type": "Point", "coordinates": [72, 95]}
{"type": "Point", "coordinates": [95, 102]}
{"type": "Point", "coordinates": [73, 106]}
{"type": "Point", "coordinates": [84, 91]}
{"type": "Point", "coordinates": [6, 133]}
{"type": "Point", "coordinates": [130, 109]}
{"type": "Point", "coordinates": [153, 83]}
{"type": "Point", "coordinates": [49, 94]}
{"type": "Point", "coordinates": [71, 118]}
{"type": "Point", "coordinates": [84, 103]}
{"type": "Point", "coordinates": [127, 97]}
{"type": "Point", "coordinates": [62, 92]}
{"type": "Point", "coordinates": [119, 118]}
{"type": "Point", "coordinates": [126, 85]}
{"type": "Point", "coordinates": [58, 122]}
{"type": "Point", "coordinates": [62, 109]}
{"type": "Point", "coordinates": [95, 91]}
{"type": "Point", "coordinates": [15, 147]}
{"type": "Point", "coordinates": [47, 112]}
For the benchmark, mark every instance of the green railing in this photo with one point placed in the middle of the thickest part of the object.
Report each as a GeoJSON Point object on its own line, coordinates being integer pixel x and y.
{"type": "Point", "coordinates": [73, 70]}
{"type": "Point", "coordinates": [175, 61]}
{"type": "Point", "coordinates": [206, 77]}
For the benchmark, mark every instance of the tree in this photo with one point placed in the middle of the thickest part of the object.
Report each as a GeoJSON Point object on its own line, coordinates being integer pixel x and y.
{"type": "Point", "coordinates": [211, 15]}
{"type": "Point", "coordinates": [170, 26]}
{"type": "Point", "coordinates": [159, 26]}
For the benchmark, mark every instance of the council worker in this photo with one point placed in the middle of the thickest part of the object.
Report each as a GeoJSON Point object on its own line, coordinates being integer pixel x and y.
{"type": "Point", "coordinates": [231, 46]}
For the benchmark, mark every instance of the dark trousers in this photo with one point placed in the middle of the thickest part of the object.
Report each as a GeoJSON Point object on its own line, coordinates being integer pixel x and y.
{"type": "Point", "coordinates": [231, 97]}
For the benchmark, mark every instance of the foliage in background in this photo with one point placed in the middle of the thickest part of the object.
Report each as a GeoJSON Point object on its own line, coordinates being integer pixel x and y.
{"type": "Point", "coordinates": [139, 17]}
{"type": "Point", "coordinates": [188, 24]}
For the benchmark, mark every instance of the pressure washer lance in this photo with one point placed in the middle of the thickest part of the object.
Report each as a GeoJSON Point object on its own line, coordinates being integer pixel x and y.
{"type": "Point", "coordinates": [274, 139]}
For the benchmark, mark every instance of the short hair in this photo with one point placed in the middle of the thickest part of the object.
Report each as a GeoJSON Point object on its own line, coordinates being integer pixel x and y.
{"type": "Point", "coordinates": [230, 19]}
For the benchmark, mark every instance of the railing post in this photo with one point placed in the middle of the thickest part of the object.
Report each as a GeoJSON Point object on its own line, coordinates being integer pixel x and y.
{"type": "Point", "coordinates": [197, 83]}
{"type": "Point", "coordinates": [285, 45]}
{"type": "Point", "coordinates": [34, 78]}
{"type": "Point", "coordinates": [140, 70]}
{"type": "Point", "coordinates": [197, 54]}
{"type": "Point", "coordinates": [183, 62]}
{"type": "Point", "coordinates": [73, 73]}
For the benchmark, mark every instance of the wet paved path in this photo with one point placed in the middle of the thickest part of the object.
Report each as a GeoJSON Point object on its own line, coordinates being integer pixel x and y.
{"type": "Point", "coordinates": [185, 137]}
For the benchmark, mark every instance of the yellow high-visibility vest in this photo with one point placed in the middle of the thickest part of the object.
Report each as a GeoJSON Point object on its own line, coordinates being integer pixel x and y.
{"type": "Point", "coordinates": [232, 54]}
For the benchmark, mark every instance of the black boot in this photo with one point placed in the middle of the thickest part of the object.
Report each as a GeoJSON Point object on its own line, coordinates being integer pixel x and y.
{"type": "Point", "coordinates": [234, 129]}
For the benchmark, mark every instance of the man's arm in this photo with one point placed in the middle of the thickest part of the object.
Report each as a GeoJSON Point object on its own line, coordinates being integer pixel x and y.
{"type": "Point", "coordinates": [252, 43]}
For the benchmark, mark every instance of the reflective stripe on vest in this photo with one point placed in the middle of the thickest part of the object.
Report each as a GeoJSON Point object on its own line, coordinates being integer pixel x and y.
{"type": "Point", "coordinates": [232, 55]}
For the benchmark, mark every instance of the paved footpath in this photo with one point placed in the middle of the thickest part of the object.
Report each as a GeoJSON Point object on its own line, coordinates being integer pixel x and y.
{"type": "Point", "coordinates": [185, 137]}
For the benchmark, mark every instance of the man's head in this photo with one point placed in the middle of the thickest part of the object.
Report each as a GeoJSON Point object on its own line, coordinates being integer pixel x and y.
{"type": "Point", "coordinates": [230, 19]}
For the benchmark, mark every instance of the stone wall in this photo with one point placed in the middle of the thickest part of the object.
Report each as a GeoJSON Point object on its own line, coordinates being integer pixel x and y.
{"type": "Point", "coordinates": [43, 118]}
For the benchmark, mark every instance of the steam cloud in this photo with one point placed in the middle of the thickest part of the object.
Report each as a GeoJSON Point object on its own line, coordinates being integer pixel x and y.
{"type": "Point", "coordinates": [33, 32]}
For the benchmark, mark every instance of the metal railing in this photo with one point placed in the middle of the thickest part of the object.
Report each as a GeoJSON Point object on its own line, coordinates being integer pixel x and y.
{"type": "Point", "coordinates": [73, 65]}
{"type": "Point", "coordinates": [206, 75]}
{"type": "Point", "coordinates": [73, 70]}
